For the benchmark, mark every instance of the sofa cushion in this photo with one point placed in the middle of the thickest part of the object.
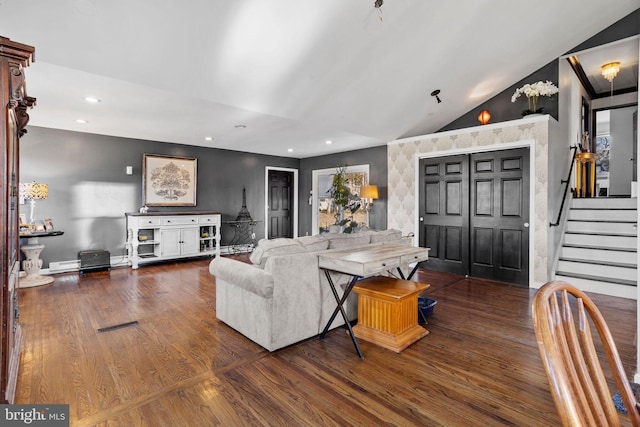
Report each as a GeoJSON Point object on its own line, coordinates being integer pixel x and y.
{"type": "Point", "coordinates": [386, 236]}
{"type": "Point", "coordinates": [313, 243]}
{"type": "Point", "coordinates": [347, 240]}
{"type": "Point", "coordinates": [267, 248]}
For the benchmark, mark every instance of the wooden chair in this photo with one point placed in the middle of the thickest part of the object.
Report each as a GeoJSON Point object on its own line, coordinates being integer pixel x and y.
{"type": "Point", "coordinates": [576, 379]}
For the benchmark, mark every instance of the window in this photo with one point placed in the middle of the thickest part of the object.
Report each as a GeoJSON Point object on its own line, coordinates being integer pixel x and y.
{"type": "Point", "coordinates": [323, 209]}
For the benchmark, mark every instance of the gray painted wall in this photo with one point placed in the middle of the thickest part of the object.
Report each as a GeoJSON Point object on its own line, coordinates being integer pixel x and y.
{"type": "Point", "coordinates": [89, 191]}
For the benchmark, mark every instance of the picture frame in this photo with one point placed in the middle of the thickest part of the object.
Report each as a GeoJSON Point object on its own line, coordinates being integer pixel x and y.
{"type": "Point", "coordinates": [48, 225]}
{"type": "Point", "coordinates": [169, 180]}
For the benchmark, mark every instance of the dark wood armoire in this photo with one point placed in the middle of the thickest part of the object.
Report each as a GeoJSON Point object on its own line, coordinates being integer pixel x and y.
{"type": "Point", "coordinates": [14, 103]}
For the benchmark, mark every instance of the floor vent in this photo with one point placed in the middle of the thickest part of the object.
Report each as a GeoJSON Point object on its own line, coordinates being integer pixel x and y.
{"type": "Point", "coordinates": [97, 260]}
{"type": "Point", "coordinates": [121, 325]}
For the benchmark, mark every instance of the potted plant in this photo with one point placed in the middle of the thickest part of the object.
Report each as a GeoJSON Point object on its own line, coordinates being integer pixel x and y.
{"type": "Point", "coordinates": [532, 92]}
{"type": "Point", "coordinates": [342, 197]}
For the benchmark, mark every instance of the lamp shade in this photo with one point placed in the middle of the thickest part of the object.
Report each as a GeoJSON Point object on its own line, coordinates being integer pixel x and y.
{"type": "Point", "coordinates": [369, 192]}
{"type": "Point", "coordinates": [34, 191]}
{"type": "Point", "coordinates": [484, 117]}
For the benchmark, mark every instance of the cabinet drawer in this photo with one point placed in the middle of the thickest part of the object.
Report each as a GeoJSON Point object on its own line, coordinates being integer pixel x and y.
{"type": "Point", "coordinates": [143, 221]}
{"type": "Point", "coordinates": [212, 219]}
{"type": "Point", "coordinates": [179, 220]}
{"type": "Point", "coordinates": [408, 259]}
{"type": "Point", "coordinates": [377, 267]}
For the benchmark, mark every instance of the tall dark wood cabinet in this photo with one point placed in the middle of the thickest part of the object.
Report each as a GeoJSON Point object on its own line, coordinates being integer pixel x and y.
{"type": "Point", "coordinates": [14, 103]}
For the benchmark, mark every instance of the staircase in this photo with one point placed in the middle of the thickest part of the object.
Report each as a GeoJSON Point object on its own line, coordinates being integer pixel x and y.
{"type": "Point", "coordinates": [599, 249]}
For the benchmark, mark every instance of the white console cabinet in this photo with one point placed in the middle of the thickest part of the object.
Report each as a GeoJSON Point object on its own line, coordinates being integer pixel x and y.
{"type": "Point", "coordinates": [159, 236]}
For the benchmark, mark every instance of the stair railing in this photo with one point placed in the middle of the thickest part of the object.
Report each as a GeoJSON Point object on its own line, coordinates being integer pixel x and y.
{"type": "Point", "coordinates": [566, 188]}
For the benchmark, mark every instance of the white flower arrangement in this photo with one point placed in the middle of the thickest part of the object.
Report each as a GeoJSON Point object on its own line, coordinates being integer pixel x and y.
{"type": "Point", "coordinates": [533, 91]}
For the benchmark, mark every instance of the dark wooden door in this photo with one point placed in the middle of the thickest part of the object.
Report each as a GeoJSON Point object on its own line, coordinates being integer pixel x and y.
{"type": "Point", "coordinates": [499, 216]}
{"type": "Point", "coordinates": [474, 214]}
{"type": "Point", "coordinates": [280, 203]}
{"type": "Point", "coordinates": [444, 213]}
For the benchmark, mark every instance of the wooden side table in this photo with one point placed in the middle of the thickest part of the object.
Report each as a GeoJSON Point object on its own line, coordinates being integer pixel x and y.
{"type": "Point", "coordinates": [585, 165]}
{"type": "Point", "coordinates": [388, 312]}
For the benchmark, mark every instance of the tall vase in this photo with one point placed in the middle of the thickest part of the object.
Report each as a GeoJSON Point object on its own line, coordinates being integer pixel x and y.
{"type": "Point", "coordinates": [338, 227]}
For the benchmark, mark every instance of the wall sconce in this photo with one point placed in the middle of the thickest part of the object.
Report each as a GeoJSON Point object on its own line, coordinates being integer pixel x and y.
{"type": "Point", "coordinates": [33, 191]}
{"type": "Point", "coordinates": [368, 193]}
{"type": "Point", "coordinates": [484, 117]}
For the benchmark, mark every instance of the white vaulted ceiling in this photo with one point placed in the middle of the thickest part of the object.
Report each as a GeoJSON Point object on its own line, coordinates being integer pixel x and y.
{"type": "Point", "coordinates": [295, 72]}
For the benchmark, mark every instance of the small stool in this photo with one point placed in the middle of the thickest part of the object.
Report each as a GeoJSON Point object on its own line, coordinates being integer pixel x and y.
{"type": "Point", "coordinates": [388, 312]}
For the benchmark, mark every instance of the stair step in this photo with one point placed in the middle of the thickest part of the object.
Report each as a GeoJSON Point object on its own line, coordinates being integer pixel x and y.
{"type": "Point", "coordinates": [606, 271]}
{"type": "Point", "coordinates": [597, 278]}
{"type": "Point", "coordinates": [603, 240]}
{"type": "Point", "coordinates": [608, 227]}
{"type": "Point", "coordinates": [603, 215]}
{"type": "Point", "coordinates": [596, 262]}
{"type": "Point", "coordinates": [596, 254]}
{"type": "Point", "coordinates": [605, 202]}
{"type": "Point", "coordinates": [618, 288]}
{"type": "Point", "coordinates": [601, 248]}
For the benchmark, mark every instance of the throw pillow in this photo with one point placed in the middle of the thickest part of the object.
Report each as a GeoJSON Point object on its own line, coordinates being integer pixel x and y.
{"type": "Point", "coordinates": [386, 236]}
{"type": "Point", "coordinates": [313, 243]}
{"type": "Point", "coordinates": [267, 248]}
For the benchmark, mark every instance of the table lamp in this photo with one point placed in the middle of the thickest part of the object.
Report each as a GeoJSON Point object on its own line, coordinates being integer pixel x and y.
{"type": "Point", "coordinates": [368, 193]}
{"type": "Point", "coordinates": [33, 191]}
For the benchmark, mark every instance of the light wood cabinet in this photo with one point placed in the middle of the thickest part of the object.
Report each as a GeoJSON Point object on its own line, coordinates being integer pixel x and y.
{"type": "Point", "coordinates": [14, 103]}
{"type": "Point", "coordinates": [158, 236]}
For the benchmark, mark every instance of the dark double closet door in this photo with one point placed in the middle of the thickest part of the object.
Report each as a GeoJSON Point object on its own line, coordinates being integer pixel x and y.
{"type": "Point", "coordinates": [474, 214]}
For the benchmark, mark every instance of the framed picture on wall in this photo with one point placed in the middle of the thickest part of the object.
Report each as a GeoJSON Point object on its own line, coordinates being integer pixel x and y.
{"type": "Point", "coordinates": [48, 225]}
{"type": "Point", "coordinates": [169, 180]}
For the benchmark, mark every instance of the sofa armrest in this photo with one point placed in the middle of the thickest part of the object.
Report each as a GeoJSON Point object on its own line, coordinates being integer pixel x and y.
{"type": "Point", "coordinates": [243, 275]}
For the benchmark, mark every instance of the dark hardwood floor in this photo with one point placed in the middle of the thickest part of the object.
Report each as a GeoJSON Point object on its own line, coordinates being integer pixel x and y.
{"type": "Point", "coordinates": [179, 366]}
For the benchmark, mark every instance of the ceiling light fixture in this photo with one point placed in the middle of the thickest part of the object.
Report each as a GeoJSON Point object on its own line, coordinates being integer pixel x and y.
{"type": "Point", "coordinates": [240, 126]}
{"type": "Point", "coordinates": [610, 71]}
{"type": "Point", "coordinates": [208, 138]}
{"type": "Point", "coordinates": [436, 93]}
{"type": "Point", "coordinates": [81, 121]}
{"type": "Point", "coordinates": [91, 100]}
{"type": "Point", "coordinates": [328, 142]}
{"type": "Point", "coordinates": [290, 150]}
{"type": "Point", "coordinates": [378, 4]}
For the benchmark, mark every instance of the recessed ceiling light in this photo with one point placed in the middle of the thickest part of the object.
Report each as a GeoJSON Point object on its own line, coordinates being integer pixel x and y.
{"type": "Point", "coordinates": [290, 150]}
{"type": "Point", "coordinates": [328, 142]}
{"type": "Point", "coordinates": [92, 100]}
{"type": "Point", "coordinates": [208, 138]}
{"type": "Point", "coordinates": [240, 126]}
{"type": "Point", "coordinates": [81, 121]}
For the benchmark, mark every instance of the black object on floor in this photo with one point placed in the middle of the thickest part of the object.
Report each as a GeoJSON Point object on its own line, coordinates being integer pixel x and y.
{"type": "Point", "coordinates": [121, 325]}
{"type": "Point", "coordinates": [425, 308]}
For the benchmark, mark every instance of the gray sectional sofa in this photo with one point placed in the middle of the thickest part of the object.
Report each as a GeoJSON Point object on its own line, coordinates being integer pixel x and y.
{"type": "Point", "coordinates": [284, 297]}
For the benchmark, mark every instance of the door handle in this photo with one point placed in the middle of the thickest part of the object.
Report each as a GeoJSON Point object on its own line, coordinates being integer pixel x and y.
{"type": "Point", "coordinates": [421, 219]}
{"type": "Point", "coordinates": [526, 225]}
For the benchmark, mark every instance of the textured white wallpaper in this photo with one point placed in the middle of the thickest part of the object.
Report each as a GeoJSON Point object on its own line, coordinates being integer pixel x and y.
{"type": "Point", "coordinates": [530, 131]}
